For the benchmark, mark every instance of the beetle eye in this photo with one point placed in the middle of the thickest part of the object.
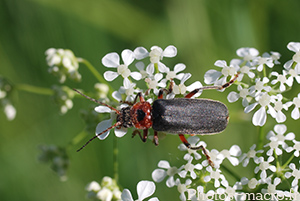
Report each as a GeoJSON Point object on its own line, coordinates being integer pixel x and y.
{"type": "Point", "coordinates": [140, 114]}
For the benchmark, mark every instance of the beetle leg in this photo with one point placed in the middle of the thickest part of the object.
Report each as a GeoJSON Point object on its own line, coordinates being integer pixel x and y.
{"type": "Point", "coordinates": [188, 145]}
{"type": "Point", "coordinates": [139, 95]}
{"type": "Point", "coordinates": [155, 138]}
{"type": "Point", "coordinates": [192, 93]}
{"type": "Point", "coordinates": [167, 91]}
{"type": "Point", "coordinates": [144, 137]}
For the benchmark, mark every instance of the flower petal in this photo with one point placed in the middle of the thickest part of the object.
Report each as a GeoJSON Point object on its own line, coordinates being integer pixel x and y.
{"type": "Point", "coordinates": [158, 175]}
{"type": "Point", "coordinates": [140, 53]}
{"type": "Point", "coordinates": [102, 126]}
{"type": "Point", "coordinates": [233, 96]}
{"type": "Point", "coordinates": [170, 51]}
{"type": "Point", "coordinates": [102, 109]}
{"type": "Point", "coordinates": [259, 118]}
{"type": "Point", "coordinates": [127, 56]}
{"type": "Point", "coordinates": [111, 60]}
{"type": "Point", "coordinates": [110, 75]}
{"type": "Point", "coordinates": [211, 76]}
{"type": "Point", "coordinates": [126, 195]}
{"type": "Point", "coordinates": [179, 67]}
{"type": "Point", "coordinates": [145, 189]}
{"type": "Point", "coordinates": [136, 75]}
{"type": "Point", "coordinates": [120, 132]}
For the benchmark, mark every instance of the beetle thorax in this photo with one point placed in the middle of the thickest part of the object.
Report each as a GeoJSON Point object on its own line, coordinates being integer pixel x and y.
{"type": "Point", "coordinates": [141, 115]}
{"type": "Point", "coordinates": [125, 117]}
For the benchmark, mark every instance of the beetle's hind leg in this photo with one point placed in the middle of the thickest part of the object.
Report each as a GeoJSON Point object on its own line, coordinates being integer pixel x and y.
{"type": "Point", "coordinates": [189, 146]}
{"type": "Point", "coordinates": [144, 137]}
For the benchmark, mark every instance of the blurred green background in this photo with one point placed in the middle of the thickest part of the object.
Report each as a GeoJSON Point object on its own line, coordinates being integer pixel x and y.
{"type": "Point", "coordinates": [203, 31]}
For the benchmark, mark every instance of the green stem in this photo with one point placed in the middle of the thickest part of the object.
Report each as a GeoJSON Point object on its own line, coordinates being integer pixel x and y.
{"type": "Point", "coordinates": [79, 137]}
{"type": "Point", "coordinates": [288, 161]}
{"type": "Point", "coordinates": [260, 138]}
{"type": "Point", "coordinates": [115, 159]}
{"type": "Point", "coordinates": [237, 177]}
{"type": "Point", "coordinates": [34, 89]}
{"type": "Point", "coordinates": [98, 76]}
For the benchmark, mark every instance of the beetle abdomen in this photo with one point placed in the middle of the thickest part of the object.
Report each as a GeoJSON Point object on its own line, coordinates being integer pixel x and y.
{"type": "Point", "coordinates": [189, 116]}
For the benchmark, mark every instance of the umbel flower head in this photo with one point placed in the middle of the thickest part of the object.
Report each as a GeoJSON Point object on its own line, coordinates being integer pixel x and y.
{"type": "Point", "coordinates": [63, 63]}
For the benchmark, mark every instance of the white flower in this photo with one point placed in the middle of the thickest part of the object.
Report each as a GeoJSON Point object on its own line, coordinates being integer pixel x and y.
{"type": "Point", "coordinates": [280, 129]}
{"type": "Point", "coordinates": [159, 174]}
{"type": "Point", "coordinates": [103, 125]}
{"type": "Point", "coordinates": [155, 82]}
{"type": "Point", "coordinates": [93, 186]}
{"type": "Point", "coordinates": [252, 183]}
{"type": "Point", "coordinates": [246, 70]}
{"type": "Point", "coordinates": [104, 194]}
{"type": "Point", "coordinates": [128, 89]}
{"type": "Point", "coordinates": [231, 154]}
{"type": "Point", "coordinates": [260, 116]}
{"type": "Point", "coordinates": [296, 101]}
{"type": "Point", "coordinates": [182, 188]}
{"type": "Point", "coordinates": [182, 89]}
{"type": "Point", "coordinates": [295, 173]}
{"type": "Point", "coordinates": [248, 54]}
{"type": "Point", "coordinates": [63, 64]}
{"type": "Point", "coordinates": [264, 60]}
{"type": "Point", "coordinates": [295, 47]}
{"type": "Point", "coordinates": [264, 166]}
{"type": "Point", "coordinates": [212, 76]}
{"type": "Point", "coordinates": [278, 106]}
{"type": "Point", "coordinates": [281, 78]}
{"type": "Point", "coordinates": [243, 93]}
{"type": "Point", "coordinates": [272, 187]}
{"type": "Point", "coordinates": [189, 167]}
{"type": "Point", "coordinates": [296, 147]}
{"type": "Point", "coordinates": [144, 189]}
{"type": "Point", "coordinates": [194, 142]}
{"type": "Point", "coordinates": [260, 85]}
{"type": "Point", "coordinates": [9, 110]}
{"type": "Point", "coordinates": [156, 55]}
{"type": "Point", "coordinates": [112, 60]}
{"type": "Point", "coordinates": [215, 175]}
{"type": "Point", "coordinates": [250, 154]}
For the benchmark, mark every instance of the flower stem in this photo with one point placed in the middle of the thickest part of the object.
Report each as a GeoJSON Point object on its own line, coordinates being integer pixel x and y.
{"type": "Point", "coordinates": [98, 76]}
{"type": "Point", "coordinates": [233, 174]}
{"type": "Point", "coordinates": [34, 89]}
{"type": "Point", "coordinates": [260, 138]}
{"type": "Point", "coordinates": [115, 159]}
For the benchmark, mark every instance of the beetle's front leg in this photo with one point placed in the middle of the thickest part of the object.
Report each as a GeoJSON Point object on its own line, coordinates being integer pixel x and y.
{"type": "Point", "coordinates": [189, 146]}
{"type": "Point", "coordinates": [155, 138]}
{"type": "Point", "coordinates": [139, 95]}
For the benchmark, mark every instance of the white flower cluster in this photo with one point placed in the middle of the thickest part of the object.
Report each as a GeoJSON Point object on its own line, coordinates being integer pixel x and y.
{"type": "Point", "coordinates": [107, 190]}
{"type": "Point", "coordinates": [259, 88]}
{"type": "Point", "coordinates": [269, 172]}
{"type": "Point", "coordinates": [63, 96]}
{"type": "Point", "coordinates": [5, 102]}
{"type": "Point", "coordinates": [150, 71]}
{"type": "Point", "coordinates": [63, 63]}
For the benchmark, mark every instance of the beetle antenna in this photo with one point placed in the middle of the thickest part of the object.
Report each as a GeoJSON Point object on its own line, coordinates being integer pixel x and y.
{"type": "Point", "coordinates": [96, 101]}
{"type": "Point", "coordinates": [97, 135]}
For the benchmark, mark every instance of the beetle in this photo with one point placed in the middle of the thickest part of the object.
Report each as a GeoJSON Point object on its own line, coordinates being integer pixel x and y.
{"type": "Point", "coordinates": [176, 116]}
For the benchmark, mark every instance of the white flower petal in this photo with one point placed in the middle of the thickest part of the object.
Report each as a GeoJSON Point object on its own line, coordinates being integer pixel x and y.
{"type": "Point", "coordinates": [170, 182]}
{"type": "Point", "coordinates": [111, 60]}
{"type": "Point", "coordinates": [295, 113]}
{"type": "Point", "coordinates": [232, 97]}
{"type": "Point", "coordinates": [220, 63]}
{"type": "Point", "coordinates": [170, 51]}
{"type": "Point", "coordinates": [103, 125]}
{"type": "Point", "coordinates": [127, 56]}
{"type": "Point", "coordinates": [211, 76]}
{"type": "Point", "coordinates": [145, 189]}
{"type": "Point", "coordinates": [136, 75]}
{"type": "Point", "coordinates": [110, 75]}
{"type": "Point", "coordinates": [140, 53]}
{"type": "Point", "coordinates": [120, 132]}
{"type": "Point", "coordinates": [259, 118]}
{"type": "Point", "coordinates": [179, 67]}
{"type": "Point", "coordinates": [126, 195]}
{"type": "Point", "coordinates": [249, 108]}
{"type": "Point", "coordinates": [164, 164]}
{"type": "Point", "coordinates": [102, 109]}
{"type": "Point", "coordinates": [158, 175]}
{"type": "Point", "coordinates": [162, 68]}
